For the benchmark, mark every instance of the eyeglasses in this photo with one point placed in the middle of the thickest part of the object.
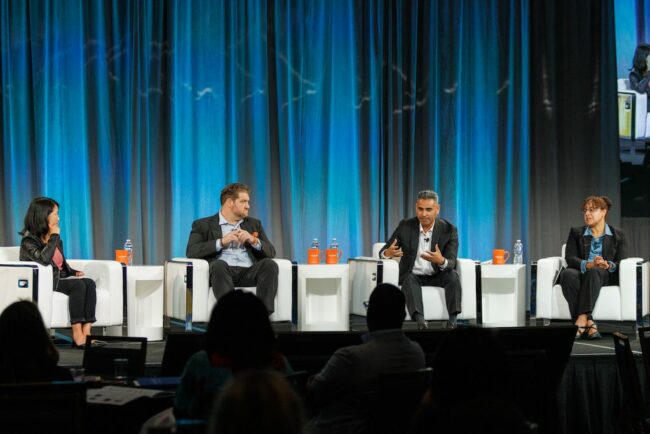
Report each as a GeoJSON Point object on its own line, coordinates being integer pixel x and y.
{"type": "Point", "coordinates": [590, 210]}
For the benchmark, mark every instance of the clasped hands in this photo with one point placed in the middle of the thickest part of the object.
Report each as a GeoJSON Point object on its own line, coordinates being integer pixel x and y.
{"type": "Point", "coordinates": [435, 257]}
{"type": "Point", "coordinates": [598, 262]}
{"type": "Point", "coordinates": [240, 235]}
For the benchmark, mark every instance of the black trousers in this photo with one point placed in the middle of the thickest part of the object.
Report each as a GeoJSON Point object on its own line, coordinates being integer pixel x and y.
{"type": "Point", "coordinates": [412, 287]}
{"type": "Point", "coordinates": [581, 290]}
{"type": "Point", "coordinates": [82, 298]}
{"type": "Point", "coordinates": [263, 275]}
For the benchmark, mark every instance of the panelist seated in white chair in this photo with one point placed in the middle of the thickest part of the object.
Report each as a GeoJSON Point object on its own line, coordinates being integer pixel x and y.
{"type": "Point", "coordinates": [236, 247]}
{"type": "Point", "coordinates": [42, 243]}
{"type": "Point", "coordinates": [593, 255]}
{"type": "Point", "coordinates": [640, 73]}
{"type": "Point", "coordinates": [427, 247]}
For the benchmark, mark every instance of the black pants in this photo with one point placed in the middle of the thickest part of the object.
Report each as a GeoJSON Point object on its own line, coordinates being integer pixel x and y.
{"type": "Point", "coordinates": [82, 298]}
{"type": "Point", "coordinates": [263, 275]}
{"type": "Point", "coordinates": [581, 290]}
{"type": "Point", "coordinates": [448, 279]}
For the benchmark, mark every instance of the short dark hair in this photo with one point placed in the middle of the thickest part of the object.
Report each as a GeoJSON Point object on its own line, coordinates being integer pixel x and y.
{"type": "Point", "coordinates": [231, 191]}
{"type": "Point", "coordinates": [240, 330]}
{"type": "Point", "coordinates": [36, 218]}
{"type": "Point", "coordinates": [386, 308]}
{"type": "Point", "coordinates": [640, 55]}
{"type": "Point", "coordinates": [428, 195]}
{"type": "Point", "coordinates": [602, 202]}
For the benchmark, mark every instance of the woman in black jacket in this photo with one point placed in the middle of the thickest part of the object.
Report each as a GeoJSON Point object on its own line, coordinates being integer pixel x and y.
{"type": "Point", "coordinates": [640, 74]}
{"type": "Point", "coordinates": [593, 255]}
{"type": "Point", "coordinates": [42, 243]}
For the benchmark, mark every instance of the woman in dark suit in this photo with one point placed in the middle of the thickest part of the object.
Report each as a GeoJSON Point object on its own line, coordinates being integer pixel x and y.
{"type": "Point", "coordinates": [42, 243]}
{"type": "Point", "coordinates": [593, 255]}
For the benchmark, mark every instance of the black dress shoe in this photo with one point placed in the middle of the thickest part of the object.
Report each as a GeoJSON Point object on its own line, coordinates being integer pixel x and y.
{"type": "Point", "coordinates": [78, 346]}
{"type": "Point", "coordinates": [451, 322]}
{"type": "Point", "coordinates": [421, 322]}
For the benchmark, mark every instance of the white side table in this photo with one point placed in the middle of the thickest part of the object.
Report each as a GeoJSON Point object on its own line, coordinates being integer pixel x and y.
{"type": "Point", "coordinates": [144, 297]}
{"type": "Point", "coordinates": [323, 297]}
{"type": "Point", "coordinates": [503, 290]}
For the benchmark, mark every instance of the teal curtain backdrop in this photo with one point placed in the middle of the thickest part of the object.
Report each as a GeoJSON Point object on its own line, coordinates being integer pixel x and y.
{"type": "Point", "coordinates": [133, 115]}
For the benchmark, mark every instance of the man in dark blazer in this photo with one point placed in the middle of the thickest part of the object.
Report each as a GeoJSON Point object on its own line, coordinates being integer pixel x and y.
{"type": "Point", "coordinates": [593, 254]}
{"type": "Point", "coordinates": [236, 247]}
{"type": "Point", "coordinates": [427, 247]}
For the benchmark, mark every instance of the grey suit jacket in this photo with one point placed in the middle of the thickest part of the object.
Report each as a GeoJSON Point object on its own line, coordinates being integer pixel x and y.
{"type": "Point", "coordinates": [202, 243]}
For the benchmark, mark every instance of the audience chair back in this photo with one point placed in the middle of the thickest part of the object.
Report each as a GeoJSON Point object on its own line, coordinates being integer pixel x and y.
{"type": "Point", "coordinates": [644, 339]}
{"type": "Point", "coordinates": [100, 360]}
{"type": "Point", "coordinates": [179, 347]}
{"type": "Point", "coordinates": [397, 397]}
{"type": "Point", "coordinates": [633, 406]}
{"type": "Point", "coordinates": [43, 407]}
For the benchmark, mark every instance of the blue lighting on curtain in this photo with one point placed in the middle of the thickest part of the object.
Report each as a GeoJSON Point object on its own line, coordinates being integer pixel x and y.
{"type": "Point", "coordinates": [134, 115]}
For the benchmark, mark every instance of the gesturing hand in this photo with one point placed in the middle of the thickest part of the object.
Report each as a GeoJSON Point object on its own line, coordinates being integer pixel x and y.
{"type": "Point", "coordinates": [393, 251]}
{"type": "Point", "coordinates": [434, 257]}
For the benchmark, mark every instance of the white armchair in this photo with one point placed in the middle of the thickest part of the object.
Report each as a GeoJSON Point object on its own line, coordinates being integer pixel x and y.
{"type": "Point", "coordinates": [634, 119]}
{"type": "Point", "coordinates": [189, 297]}
{"type": "Point", "coordinates": [627, 301]}
{"type": "Point", "coordinates": [367, 272]}
{"type": "Point", "coordinates": [30, 280]}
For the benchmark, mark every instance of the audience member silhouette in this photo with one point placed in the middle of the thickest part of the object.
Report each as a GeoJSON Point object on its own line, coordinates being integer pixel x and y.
{"type": "Point", "coordinates": [239, 338]}
{"type": "Point", "coordinates": [471, 389]}
{"type": "Point", "coordinates": [260, 402]}
{"type": "Point", "coordinates": [343, 390]}
{"type": "Point", "coordinates": [27, 353]}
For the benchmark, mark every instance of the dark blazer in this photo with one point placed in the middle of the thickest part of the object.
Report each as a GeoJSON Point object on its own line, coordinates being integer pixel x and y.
{"type": "Point", "coordinates": [578, 246]}
{"type": "Point", "coordinates": [202, 243]}
{"type": "Point", "coordinates": [407, 235]}
{"type": "Point", "coordinates": [34, 249]}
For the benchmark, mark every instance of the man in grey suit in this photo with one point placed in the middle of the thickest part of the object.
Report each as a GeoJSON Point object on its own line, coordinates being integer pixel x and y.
{"type": "Point", "coordinates": [236, 247]}
{"type": "Point", "coordinates": [427, 247]}
{"type": "Point", "coordinates": [341, 389]}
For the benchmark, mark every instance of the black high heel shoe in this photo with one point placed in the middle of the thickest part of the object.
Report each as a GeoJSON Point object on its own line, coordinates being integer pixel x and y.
{"type": "Point", "coordinates": [581, 333]}
{"type": "Point", "coordinates": [78, 346]}
{"type": "Point", "coordinates": [593, 336]}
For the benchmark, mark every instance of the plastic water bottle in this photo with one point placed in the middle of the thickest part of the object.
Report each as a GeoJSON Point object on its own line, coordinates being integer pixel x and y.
{"type": "Point", "coordinates": [314, 244]}
{"type": "Point", "coordinates": [334, 244]}
{"type": "Point", "coordinates": [128, 246]}
{"type": "Point", "coordinates": [518, 251]}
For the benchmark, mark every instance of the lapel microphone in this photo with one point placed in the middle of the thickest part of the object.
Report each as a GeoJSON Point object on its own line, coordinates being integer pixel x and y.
{"type": "Point", "coordinates": [426, 240]}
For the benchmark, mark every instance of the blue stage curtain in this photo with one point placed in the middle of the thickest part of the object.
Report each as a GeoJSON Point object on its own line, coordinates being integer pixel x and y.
{"type": "Point", "coordinates": [135, 114]}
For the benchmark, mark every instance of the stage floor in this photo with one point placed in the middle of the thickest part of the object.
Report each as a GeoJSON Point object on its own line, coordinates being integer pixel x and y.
{"type": "Point", "coordinates": [70, 357]}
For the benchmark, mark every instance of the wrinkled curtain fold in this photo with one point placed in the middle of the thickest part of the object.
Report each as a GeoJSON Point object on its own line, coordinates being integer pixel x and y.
{"type": "Point", "coordinates": [134, 115]}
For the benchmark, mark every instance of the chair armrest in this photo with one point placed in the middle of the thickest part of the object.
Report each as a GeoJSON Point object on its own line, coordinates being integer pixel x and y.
{"type": "Point", "coordinates": [547, 268]}
{"type": "Point", "coordinates": [198, 280]}
{"type": "Point", "coordinates": [108, 276]}
{"type": "Point", "coordinates": [466, 269]}
{"type": "Point", "coordinates": [627, 280]}
{"type": "Point", "coordinates": [284, 297]}
{"type": "Point", "coordinates": [39, 282]}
